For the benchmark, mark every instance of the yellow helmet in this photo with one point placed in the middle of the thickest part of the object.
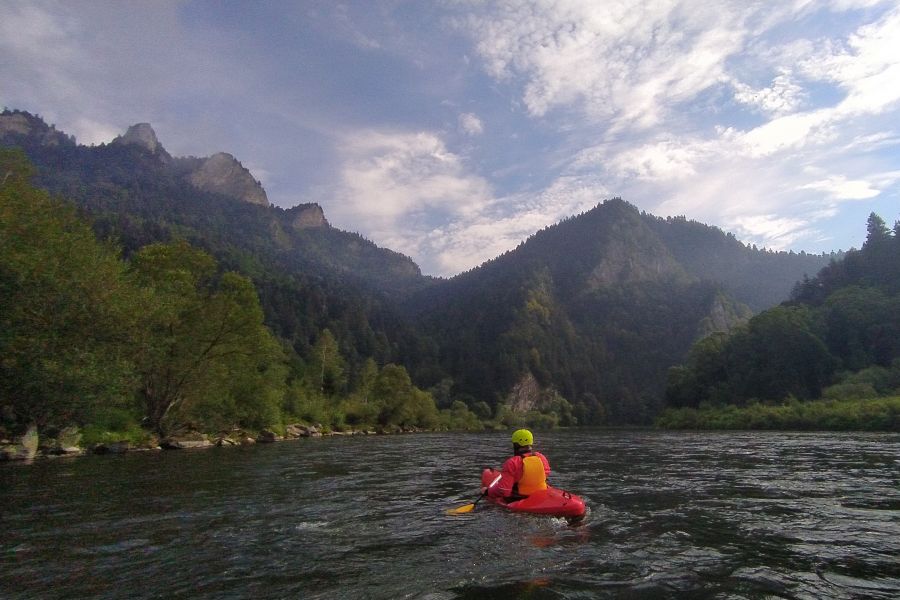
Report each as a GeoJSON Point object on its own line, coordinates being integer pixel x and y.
{"type": "Point", "coordinates": [522, 437]}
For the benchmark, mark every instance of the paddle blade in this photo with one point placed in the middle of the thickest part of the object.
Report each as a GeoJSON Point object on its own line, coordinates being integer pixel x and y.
{"type": "Point", "coordinates": [461, 510]}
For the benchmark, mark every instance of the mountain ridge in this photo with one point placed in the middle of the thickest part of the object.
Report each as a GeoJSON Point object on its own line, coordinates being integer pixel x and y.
{"type": "Point", "coordinates": [594, 308]}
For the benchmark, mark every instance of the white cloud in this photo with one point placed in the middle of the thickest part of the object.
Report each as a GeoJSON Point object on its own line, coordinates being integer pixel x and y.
{"type": "Point", "coordinates": [471, 124]}
{"type": "Point", "coordinates": [619, 62]}
{"type": "Point", "coordinates": [91, 133]}
{"type": "Point", "coordinates": [506, 222]}
{"type": "Point", "coordinates": [783, 96]}
{"type": "Point", "coordinates": [839, 187]}
{"type": "Point", "coordinates": [407, 191]}
{"type": "Point", "coordinates": [390, 175]}
{"type": "Point", "coordinates": [778, 232]}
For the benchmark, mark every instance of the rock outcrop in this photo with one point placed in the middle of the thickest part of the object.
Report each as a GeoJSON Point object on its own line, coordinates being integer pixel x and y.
{"type": "Point", "coordinates": [142, 135]}
{"type": "Point", "coordinates": [223, 174]}
{"type": "Point", "coordinates": [15, 124]}
{"type": "Point", "coordinates": [525, 395]}
{"type": "Point", "coordinates": [306, 216]}
{"type": "Point", "coordinates": [185, 441]}
{"type": "Point", "coordinates": [724, 315]}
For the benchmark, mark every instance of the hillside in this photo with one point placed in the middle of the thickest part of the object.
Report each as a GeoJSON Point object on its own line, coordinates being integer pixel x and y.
{"type": "Point", "coordinates": [598, 307]}
{"type": "Point", "coordinates": [582, 319]}
{"type": "Point", "coordinates": [311, 276]}
{"type": "Point", "coordinates": [838, 337]}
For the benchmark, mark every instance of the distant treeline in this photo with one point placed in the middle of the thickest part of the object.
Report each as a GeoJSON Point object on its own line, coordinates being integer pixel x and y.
{"type": "Point", "coordinates": [162, 341]}
{"type": "Point", "coordinates": [838, 338]}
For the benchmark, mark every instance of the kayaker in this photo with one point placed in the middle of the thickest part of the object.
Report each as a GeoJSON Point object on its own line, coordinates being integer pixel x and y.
{"type": "Point", "coordinates": [524, 473]}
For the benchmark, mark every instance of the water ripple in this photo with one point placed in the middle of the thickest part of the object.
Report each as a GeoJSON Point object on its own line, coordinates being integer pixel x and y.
{"type": "Point", "coordinates": [675, 515]}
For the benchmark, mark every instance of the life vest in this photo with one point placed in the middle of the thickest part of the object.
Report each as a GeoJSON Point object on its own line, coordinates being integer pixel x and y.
{"type": "Point", "coordinates": [534, 478]}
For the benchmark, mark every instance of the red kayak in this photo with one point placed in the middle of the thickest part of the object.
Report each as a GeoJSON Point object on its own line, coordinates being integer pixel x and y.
{"type": "Point", "coordinates": [553, 501]}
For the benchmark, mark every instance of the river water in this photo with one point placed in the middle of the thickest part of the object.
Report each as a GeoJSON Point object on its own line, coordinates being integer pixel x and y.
{"type": "Point", "coordinates": [672, 515]}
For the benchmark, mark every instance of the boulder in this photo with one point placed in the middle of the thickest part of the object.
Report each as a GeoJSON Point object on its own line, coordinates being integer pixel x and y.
{"type": "Point", "coordinates": [25, 447]}
{"type": "Point", "coordinates": [67, 443]}
{"type": "Point", "coordinates": [186, 441]}
{"type": "Point", "coordinates": [294, 431]}
{"type": "Point", "coordinates": [119, 447]}
{"type": "Point", "coordinates": [69, 437]}
{"type": "Point", "coordinates": [267, 437]}
{"type": "Point", "coordinates": [247, 441]}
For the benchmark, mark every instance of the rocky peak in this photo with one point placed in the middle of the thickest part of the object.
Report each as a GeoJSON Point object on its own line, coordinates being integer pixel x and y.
{"type": "Point", "coordinates": [223, 174]}
{"type": "Point", "coordinates": [142, 135]}
{"type": "Point", "coordinates": [15, 123]}
{"type": "Point", "coordinates": [305, 216]}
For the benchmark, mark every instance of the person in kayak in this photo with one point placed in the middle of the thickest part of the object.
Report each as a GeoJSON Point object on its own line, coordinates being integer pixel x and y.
{"type": "Point", "coordinates": [522, 474]}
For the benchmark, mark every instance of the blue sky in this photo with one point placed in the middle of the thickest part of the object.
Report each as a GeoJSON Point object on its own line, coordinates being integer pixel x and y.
{"type": "Point", "coordinates": [451, 130]}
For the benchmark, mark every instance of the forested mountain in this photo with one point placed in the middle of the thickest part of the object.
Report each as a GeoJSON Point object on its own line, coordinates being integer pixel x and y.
{"type": "Point", "coordinates": [838, 337]}
{"type": "Point", "coordinates": [311, 276]}
{"type": "Point", "coordinates": [581, 320]}
{"type": "Point", "coordinates": [598, 307]}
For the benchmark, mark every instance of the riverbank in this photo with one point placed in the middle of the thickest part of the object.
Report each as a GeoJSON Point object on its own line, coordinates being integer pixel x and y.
{"type": "Point", "coordinates": [874, 414]}
{"type": "Point", "coordinates": [68, 442]}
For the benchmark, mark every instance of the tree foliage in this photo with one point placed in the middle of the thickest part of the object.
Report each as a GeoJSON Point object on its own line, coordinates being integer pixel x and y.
{"type": "Point", "coordinates": [845, 320]}
{"type": "Point", "coordinates": [67, 308]}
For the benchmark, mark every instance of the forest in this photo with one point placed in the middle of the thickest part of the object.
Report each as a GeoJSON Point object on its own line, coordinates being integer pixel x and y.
{"type": "Point", "coordinates": [164, 341]}
{"type": "Point", "coordinates": [578, 325]}
{"type": "Point", "coordinates": [837, 340]}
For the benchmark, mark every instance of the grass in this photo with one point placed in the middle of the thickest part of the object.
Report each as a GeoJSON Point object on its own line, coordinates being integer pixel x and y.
{"type": "Point", "coordinates": [872, 414]}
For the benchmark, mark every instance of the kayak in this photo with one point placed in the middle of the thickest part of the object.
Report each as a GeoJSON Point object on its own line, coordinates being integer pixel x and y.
{"type": "Point", "coordinates": [552, 502]}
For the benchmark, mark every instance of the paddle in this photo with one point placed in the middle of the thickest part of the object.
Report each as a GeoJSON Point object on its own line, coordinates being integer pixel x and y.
{"type": "Point", "coordinates": [467, 508]}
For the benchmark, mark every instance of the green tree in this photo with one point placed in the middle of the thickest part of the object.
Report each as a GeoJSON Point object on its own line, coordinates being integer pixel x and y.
{"type": "Point", "coordinates": [67, 309]}
{"type": "Point", "coordinates": [401, 403]}
{"type": "Point", "coordinates": [877, 231]}
{"type": "Point", "coordinates": [203, 334]}
{"type": "Point", "coordinates": [327, 368]}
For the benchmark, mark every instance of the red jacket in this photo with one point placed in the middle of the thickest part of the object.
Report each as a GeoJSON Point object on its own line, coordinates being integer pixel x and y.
{"type": "Point", "coordinates": [511, 473]}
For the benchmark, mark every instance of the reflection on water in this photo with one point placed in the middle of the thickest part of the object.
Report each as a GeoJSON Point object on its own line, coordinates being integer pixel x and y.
{"type": "Point", "coordinates": [675, 515]}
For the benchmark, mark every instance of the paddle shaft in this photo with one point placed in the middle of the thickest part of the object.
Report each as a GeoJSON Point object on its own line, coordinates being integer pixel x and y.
{"type": "Point", "coordinates": [487, 489]}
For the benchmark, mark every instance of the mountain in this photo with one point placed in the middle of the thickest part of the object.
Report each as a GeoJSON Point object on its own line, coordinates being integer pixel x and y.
{"type": "Point", "coordinates": [598, 307]}
{"type": "Point", "coordinates": [584, 318]}
{"type": "Point", "coordinates": [310, 276]}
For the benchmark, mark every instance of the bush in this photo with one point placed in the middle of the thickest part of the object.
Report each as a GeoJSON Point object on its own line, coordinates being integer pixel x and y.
{"type": "Point", "coordinates": [878, 414]}
{"type": "Point", "coordinates": [849, 391]}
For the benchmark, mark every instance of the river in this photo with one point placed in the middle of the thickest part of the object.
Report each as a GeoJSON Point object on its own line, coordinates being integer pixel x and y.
{"type": "Point", "coordinates": [672, 515]}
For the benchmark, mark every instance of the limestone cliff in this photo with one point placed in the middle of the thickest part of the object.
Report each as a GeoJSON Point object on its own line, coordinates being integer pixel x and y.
{"type": "Point", "coordinates": [223, 174]}
{"type": "Point", "coordinates": [724, 315]}
{"type": "Point", "coordinates": [140, 134]}
{"type": "Point", "coordinates": [15, 124]}
{"type": "Point", "coordinates": [525, 395]}
{"type": "Point", "coordinates": [306, 216]}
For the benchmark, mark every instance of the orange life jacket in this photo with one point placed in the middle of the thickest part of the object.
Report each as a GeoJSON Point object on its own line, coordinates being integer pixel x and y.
{"type": "Point", "coordinates": [534, 478]}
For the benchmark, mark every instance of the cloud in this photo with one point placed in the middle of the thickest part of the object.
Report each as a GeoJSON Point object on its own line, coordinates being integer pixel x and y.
{"type": "Point", "coordinates": [391, 175]}
{"type": "Point", "coordinates": [504, 223]}
{"type": "Point", "coordinates": [839, 187]}
{"type": "Point", "coordinates": [470, 124]}
{"type": "Point", "coordinates": [618, 62]}
{"type": "Point", "coordinates": [90, 132]}
{"type": "Point", "coordinates": [407, 191]}
{"type": "Point", "coordinates": [778, 231]}
{"type": "Point", "coordinates": [783, 96]}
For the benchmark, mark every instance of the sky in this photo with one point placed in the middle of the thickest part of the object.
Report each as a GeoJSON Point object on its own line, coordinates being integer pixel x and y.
{"type": "Point", "coordinates": [451, 130]}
